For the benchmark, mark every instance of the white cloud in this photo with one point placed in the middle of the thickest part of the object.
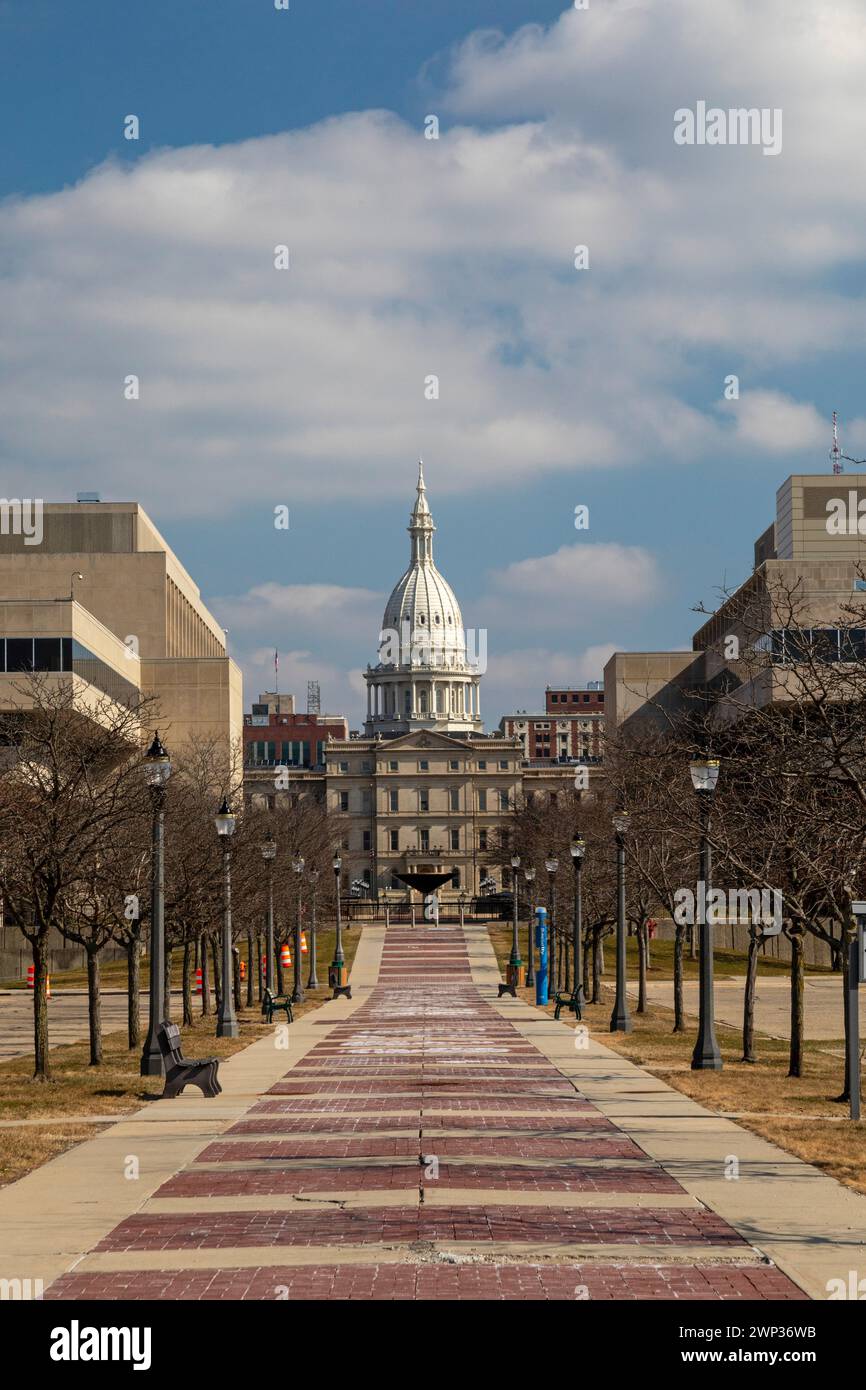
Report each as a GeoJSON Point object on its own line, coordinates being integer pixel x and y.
{"type": "Point", "coordinates": [413, 257]}
{"type": "Point", "coordinates": [571, 589]}
{"type": "Point", "coordinates": [775, 423]}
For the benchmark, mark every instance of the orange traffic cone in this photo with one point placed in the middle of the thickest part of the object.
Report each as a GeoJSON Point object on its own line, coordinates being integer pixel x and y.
{"type": "Point", "coordinates": [198, 981]}
{"type": "Point", "coordinates": [243, 970]}
{"type": "Point", "coordinates": [31, 976]}
{"type": "Point", "coordinates": [286, 956]}
{"type": "Point", "coordinates": [48, 988]}
{"type": "Point", "coordinates": [303, 943]}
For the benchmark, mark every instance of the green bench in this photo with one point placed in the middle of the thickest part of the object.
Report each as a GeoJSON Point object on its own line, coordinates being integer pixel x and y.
{"type": "Point", "coordinates": [568, 999]}
{"type": "Point", "coordinates": [272, 1003]}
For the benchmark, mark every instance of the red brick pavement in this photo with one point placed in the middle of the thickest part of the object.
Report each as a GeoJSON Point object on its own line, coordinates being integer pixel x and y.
{"type": "Point", "coordinates": [427, 1046]}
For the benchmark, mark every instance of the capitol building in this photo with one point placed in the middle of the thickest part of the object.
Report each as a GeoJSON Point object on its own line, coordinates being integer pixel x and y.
{"type": "Point", "coordinates": [423, 789]}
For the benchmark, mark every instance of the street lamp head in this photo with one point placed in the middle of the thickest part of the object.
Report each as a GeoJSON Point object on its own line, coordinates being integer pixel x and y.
{"type": "Point", "coordinates": [338, 861]}
{"type": "Point", "coordinates": [705, 774]}
{"type": "Point", "coordinates": [314, 875]}
{"type": "Point", "coordinates": [225, 820]}
{"type": "Point", "coordinates": [529, 874]}
{"type": "Point", "coordinates": [515, 861]}
{"type": "Point", "coordinates": [157, 764]}
{"type": "Point", "coordinates": [298, 864]}
{"type": "Point", "coordinates": [269, 848]}
{"type": "Point", "coordinates": [621, 822]}
{"type": "Point", "coordinates": [551, 863]}
{"type": "Point", "coordinates": [578, 848]}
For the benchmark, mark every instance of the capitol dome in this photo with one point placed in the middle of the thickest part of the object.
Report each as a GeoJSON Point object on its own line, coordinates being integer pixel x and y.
{"type": "Point", "coordinates": [423, 677]}
{"type": "Point", "coordinates": [422, 617]}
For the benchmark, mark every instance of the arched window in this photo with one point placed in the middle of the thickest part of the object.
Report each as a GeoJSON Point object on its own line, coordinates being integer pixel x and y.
{"type": "Point", "coordinates": [407, 701]}
{"type": "Point", "coordinates": [423, 702]}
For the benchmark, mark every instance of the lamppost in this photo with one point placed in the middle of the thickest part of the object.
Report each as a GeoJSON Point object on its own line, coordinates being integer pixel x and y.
{"type": "Point", "coordinates": [313, 981]}
{"type": "Point", "coordinates": [551, 864]}
{"type": "Point", "coordinates": [619, 1019]}
{"type": "Point", "coordinates": [338, 964]}
{"type": "Point", "coordinates": [298, 991]}
{"type": "Point", "coordinates": [515, 965]}
{"type": "Point", "coordinates": [706, 1056]}
{"type": "Point", "coordinates": [578, 850]}
{"type": "Point", "coordinates": [227, 1019]}
{"type": "Point", "coordinates": [157, 770]}
{"type": "Point", "coordinates": [529, 875]}
{"type": "Point", "coordinates": [269, 854]}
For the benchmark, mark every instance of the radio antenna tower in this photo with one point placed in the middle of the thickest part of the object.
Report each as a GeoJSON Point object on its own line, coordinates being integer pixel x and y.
{"type": "Point", "coordinates": [836, 453]}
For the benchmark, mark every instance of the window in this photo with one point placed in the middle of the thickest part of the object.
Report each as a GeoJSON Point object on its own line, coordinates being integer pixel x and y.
{"type": "Point", "coordinates": [482, 801]}
{"type": "Point", "coordinates": [425, 841]}
{"type": "Point", "coordinates": [454, 765]}
{"type": "Point", "coordinates": [344, 767]}
{"type": "Point", "coordinates": [19, 653]}
{"type": "Point", "coordinates": [482, 765]}
{"type": "Point", "coordinates": [366, 803]}
{"type": "Point", "coordinates": [554, 699]}
{"type": "Point", "coordinates": [395, 839]}
{"type": "Point", "coordinates": [455, 839]}
{"type": "Point", "coordinates": [424, 801]}
{"type": "Point", "coordinates": [503, 765]}
{"type": "Point", "coordinates": [455, 877]}
{"type": "Point", "coordinates": [482, 839]}
{"type": "Point", "coordinates": [392, 767]}
{"type": "Point", "coordinates": [393, 800]}
{"type": "Point", "coordinates": [47, 654]}
{"type": "Point", "coordinates": [407, 701]}
{"type": "Point", "coordinates": [586, 699]}
{"type": "Point", "coordinates": [454, 799]}
{"type": "Point", "coordinates": [503, 801]}
{"type": "Point", "coordinates": [424, 766]}
{"type": "Point", "coordinates": [344, 801]}
{"type": "Point", "coordinates": [365, 767]}
{"type": "Point", "coordinates": [365, 840]}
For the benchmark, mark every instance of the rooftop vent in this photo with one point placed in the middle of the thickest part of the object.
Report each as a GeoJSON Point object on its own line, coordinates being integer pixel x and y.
{"type": "Point", "coordinates": [87, 497]}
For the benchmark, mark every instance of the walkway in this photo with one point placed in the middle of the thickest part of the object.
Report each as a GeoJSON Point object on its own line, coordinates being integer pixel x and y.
{"type": "Point", "coordinates": [428, 1142]}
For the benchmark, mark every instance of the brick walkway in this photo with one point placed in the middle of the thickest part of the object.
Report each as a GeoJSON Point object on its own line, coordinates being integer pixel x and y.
{"type": "Point", "coordinates": [424, 1149]}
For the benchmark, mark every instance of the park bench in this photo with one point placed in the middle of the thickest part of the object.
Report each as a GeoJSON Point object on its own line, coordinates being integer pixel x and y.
{"type": "Point", "coordinates": [272, 1003]}
{"type": "Point", "coordinates": [179, 1072]}
{"type": "Point", "coordinates": [568, 999]}
{"type": "Point", "coordinates": [508, 988]}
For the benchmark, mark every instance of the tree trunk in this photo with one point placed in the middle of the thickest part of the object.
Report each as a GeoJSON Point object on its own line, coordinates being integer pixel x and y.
{"type": "Point", "coordinates": [585, 967]}
{"type": "Point", "coordinates": [679, 1006]}
{"type": "Point", "coordinates": [205, 974]}
{"type": "Point", "coordinates": [259, 981]}
{"type": "Point", "coordinates": [94, 1018]}
{"type": "Point", "coordinates": [749, 998]}
{"type": "Point", "coordinates": [795, 1056]}
{"type": "Point", "coordinates": [187, 983]}
{"type": "Point", "coordinates": [236, 977]}
{"type": "Point", "coordinates": [250, 968]}
{"type": "Point", "coordinates": [42, 1068]}
{"type": "Point", "coordinates": [278, 966]}
{"type": "Point", "coordinates": [597, 965]}
{"type": "Point", "coordinates": [133, 991]}
{"type": "Point", "coordinates": [217, 973]}
{"type": "Point", "coordinates": [641, 961]}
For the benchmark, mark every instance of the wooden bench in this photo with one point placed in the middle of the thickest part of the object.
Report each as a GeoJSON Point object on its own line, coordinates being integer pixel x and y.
{"type": "Point", "coordinates": [272, 1003]}
{"type": "Point", "coordinates": [179, 1072]}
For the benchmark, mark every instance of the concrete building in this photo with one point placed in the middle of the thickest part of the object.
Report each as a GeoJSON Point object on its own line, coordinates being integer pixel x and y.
{"type": "Point", "coordinates": [815, 551]}
{"type": "Point", "coordinates": [101, 601]}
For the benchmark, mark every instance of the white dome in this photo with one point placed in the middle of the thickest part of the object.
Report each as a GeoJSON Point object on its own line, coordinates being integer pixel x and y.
{"type": "Point", "coordinates": [422, 617]}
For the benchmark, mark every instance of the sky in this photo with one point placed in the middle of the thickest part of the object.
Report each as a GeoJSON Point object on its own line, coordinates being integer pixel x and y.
{"type": "Point", "coordinates": [308, 388]}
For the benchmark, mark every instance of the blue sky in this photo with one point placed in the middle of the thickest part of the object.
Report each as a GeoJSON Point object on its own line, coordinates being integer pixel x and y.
{"type": "Point", "coordinates": [413, 257]}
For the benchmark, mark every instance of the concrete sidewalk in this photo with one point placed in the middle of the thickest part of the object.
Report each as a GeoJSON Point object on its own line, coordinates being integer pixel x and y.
{"type": "Point", "coordinates": [822, 1004]}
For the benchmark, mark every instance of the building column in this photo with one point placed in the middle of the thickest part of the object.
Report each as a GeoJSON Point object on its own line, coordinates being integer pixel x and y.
{"type": "Point", "coordinates": [369, 693]}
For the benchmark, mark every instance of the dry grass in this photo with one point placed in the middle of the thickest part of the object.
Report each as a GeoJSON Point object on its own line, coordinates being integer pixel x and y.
{"type": "Point", "coordinates": [760, 1096]}
{"type": "Point", "coordinates": [78, 1091]}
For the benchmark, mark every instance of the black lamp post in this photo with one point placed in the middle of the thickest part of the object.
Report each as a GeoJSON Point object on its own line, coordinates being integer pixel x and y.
{"type": "Point", "coordinates": [157, 770]}
{"type": "Point", "coordinates": [706, 1056]}
{"type": "Point", "coordinates": [338, 964]}
{"type": "Point", "coordinates": [529, 875]}
{"type": "Point", "coordinates": [578, 850]}
{"type": "Point", "coordinates": [551, 864]}
{"type": "Point", "coordinates": [269, 854]}
{"type": "Point", "coordinates": [313, 981]}
{"type": "Point", "coordinates": [515, 964]}
{"type": "Point", "coordinates": [227, 1019]}
{"type": "Point", "coordinates": [298, 990]}
{"type": "Point", "coordinates": [620, 1021]}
